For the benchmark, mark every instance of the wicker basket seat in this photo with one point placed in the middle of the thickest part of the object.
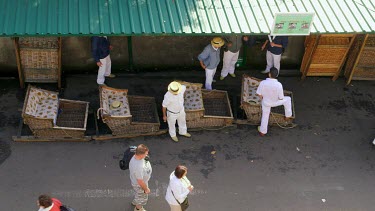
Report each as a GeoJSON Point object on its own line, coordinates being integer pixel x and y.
{"type": "Point", "coordinates": [42, 104]}
{"type": "Point", "coordinates": [136, 115]}
{"type": "Point", "coordinates": [251, 104]}
{"type": "Point", "coordinates": [48, 116]}
{"type": "Point", "coordinates": [193, 100]}
{"type": "Point", "coordinates": [109, 95]}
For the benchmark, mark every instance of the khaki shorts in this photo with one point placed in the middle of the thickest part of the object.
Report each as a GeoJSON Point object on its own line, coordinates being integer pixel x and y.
{"type": "Point", "coordinates": [140, 197]}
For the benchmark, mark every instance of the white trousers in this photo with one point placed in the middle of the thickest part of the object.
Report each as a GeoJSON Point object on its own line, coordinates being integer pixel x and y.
{"type": "Point", "coordinates": [273, 61]}
{"type": "Point", "coordinates": [104, 70]}
{"type": "Point", "coordinates": [266, 110]}
{"type": "Point", "coordinates": [210, 73]}
{"type": "Point", "coordinates": [229, 63]}
{"type": "Point", "coordinates": [181, 121]}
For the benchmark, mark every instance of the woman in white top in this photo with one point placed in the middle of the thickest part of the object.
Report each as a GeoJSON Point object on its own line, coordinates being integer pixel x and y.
{"type": "Point", "coordinates": [181, 187]}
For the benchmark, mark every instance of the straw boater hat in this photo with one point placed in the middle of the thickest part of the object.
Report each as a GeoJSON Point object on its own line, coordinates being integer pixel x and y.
{"type": "Point", "coordinates": [174, 87]}
{"type": "Point", "coordinates": [217, 42]}
{"type": "Point", "coordinates": [115, 105]}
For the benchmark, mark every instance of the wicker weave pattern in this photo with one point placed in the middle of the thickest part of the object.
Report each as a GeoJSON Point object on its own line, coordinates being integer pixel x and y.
{"type": "Point", "coordinates": [38, 42]}
{"type": "Point", "coordinates": [217, 111]}
{"type": "Point", "coordinates": [216, 103]}
{"type": "Point", "coordinates": [143, 109]}
{"type": "Point", "coordinates": [191, 115]}
{"type": "Point", "coordinates": [39, 58]}
{"type": "Point", "coordinates": [36, 75]}
{"type": "Point", "coordinates": [35, 123]}
{"type": "Point", "coordinates": [207, 122]}
{"type": "Point", "coordinates": [71, 114]}
{"type": "Point", "coordinates": [136, 129]}
{"type": "Point", "coordinates": [59, 133]}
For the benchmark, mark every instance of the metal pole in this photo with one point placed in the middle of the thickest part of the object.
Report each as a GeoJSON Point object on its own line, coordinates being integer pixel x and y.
{"type": "Point", "coordinates": [130, 53]}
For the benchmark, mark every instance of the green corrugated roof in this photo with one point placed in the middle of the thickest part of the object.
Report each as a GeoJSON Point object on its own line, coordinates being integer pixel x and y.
{"type": "Point", "coordinates": [160, 17]}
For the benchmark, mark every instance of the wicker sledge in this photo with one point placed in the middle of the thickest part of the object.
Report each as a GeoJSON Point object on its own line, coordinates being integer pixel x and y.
{"type": "Point", "coordinates": [136, 115]}
{"type": "Point", "coordinates": [251, 104]}
{"type": "Point", "coordinates": [50, 117]}
{"type": "Point", "coordinates": [38, 59]}
{"type": "Point", "coordinates": [206, 108]}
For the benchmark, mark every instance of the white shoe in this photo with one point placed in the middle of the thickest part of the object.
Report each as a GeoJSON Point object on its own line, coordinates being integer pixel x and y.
{"type": "Point", "coordinates": [174, 138]}
{"type": "Point", "coordinates": [188, 135]}
{"type": "Point", "coordinates": [111, 76]}
{"type": "Point", "coordinates": [265, 71]}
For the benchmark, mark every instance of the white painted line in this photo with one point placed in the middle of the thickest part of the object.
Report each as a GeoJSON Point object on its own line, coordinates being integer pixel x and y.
{"type": "Point", "coordinates": [160, 190]}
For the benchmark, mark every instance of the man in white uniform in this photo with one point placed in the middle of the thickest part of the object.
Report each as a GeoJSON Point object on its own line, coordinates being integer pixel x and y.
{"type": "Point", "coordinates": [272, 94]}
{"type": "Point", "coordinates": [173, 109]}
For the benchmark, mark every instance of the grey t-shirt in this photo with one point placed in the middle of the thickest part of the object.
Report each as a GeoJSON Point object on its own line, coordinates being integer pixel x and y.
{"type": "Point", "coordinates": [139, 169]}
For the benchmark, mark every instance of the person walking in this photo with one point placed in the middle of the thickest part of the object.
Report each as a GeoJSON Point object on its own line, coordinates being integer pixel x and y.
{"type": "Point", "coordinates": [232, 50]}
{"type": "Point", "coordinates": [46, 203]}
{"type": "Point", "coordinates": [209, 59]}
{"type": "Point", "coordinates": [140, 173]}
{"type": "Point", "coordinates": [100, 49]}
{"type": "Point", "coordinates": [174, 110]}
{"type": "Point", "coordinates": [274, 51]}
{"type": "Point", "coordinates": [272, 94]}
{"type": "Point", "coordinates": [178, 189]}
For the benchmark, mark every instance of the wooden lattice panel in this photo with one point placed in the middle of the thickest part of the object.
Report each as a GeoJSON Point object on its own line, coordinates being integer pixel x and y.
{"type": "Point", "coordinates": [361, 61]}
{"type": "Point", "coordinates": [325, 55]}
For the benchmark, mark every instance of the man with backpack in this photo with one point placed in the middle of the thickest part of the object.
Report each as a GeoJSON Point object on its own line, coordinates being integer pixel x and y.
{"type": "Point", "coordinates": [140, 173]}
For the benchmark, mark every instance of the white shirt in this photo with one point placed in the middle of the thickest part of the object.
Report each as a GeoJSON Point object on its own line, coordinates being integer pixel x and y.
{"type": "Point", "coordinates": [179, 188]}
{"type": "Point", "coordinates": [174, 103]}
{"type": "Point", "coordinates": [271, 90]}
{"type": "Point", "coordinates": [47, 208]}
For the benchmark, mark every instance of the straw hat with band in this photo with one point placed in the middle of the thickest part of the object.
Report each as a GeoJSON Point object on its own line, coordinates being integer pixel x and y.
{"type": "Point", "coordinates": [217, 42]}
{"type": "Point", "coordinates": [174, 87]}
{"type": "Point", "coordinates": [115, 105]}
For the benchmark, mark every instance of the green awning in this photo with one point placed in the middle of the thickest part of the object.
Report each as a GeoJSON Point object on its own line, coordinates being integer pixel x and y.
{"type": "Point", "coordinates": [176, 17]}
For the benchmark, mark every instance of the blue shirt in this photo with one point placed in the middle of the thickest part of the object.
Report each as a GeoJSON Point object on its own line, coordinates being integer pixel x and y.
{"type": "Point", "coordinates": [280, 40]}
{"type": "Point", "coordinates": [99, 47]}
{"type": "Point", "coordinates": [210, 57]}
